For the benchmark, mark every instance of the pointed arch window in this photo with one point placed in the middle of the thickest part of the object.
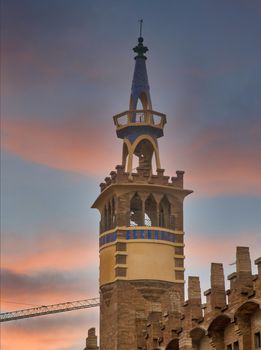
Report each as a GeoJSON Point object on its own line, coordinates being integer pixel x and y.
{"type": "Point", "coordinates": [136, 211]}
{"type": "Point", "coordinates": [105, 218]}
{"type": "Point", "coordinates": [113, 214]}
{"type": "Point", "coordinates": [150, 216]}
{"type": "Point", "coordinates": [109, 216]}
{"type": "Point", "coordinates": [164, 212]}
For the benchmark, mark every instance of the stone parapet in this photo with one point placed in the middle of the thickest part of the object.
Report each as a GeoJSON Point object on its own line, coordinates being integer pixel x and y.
{"type": "Point", "coordinates": [143, 176]}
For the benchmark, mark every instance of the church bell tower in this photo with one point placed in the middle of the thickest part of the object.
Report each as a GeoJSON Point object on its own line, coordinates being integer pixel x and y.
{"type": "Point", "coordinates": [141, 227]}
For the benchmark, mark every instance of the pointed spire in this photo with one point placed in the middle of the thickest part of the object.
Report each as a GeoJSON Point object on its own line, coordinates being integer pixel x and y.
{"type": "Point", "coordinates": [140, 89]}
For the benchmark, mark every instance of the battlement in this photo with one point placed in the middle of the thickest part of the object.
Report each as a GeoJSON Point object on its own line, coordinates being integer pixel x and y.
{"type": "Point", "coordinates": [227, 317]}
{"type": "Point", "coordinates": [143, 176]}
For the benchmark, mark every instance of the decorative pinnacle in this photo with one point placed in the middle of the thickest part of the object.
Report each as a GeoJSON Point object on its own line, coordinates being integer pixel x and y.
{"type": "Point", "coordinates": [140, 49]}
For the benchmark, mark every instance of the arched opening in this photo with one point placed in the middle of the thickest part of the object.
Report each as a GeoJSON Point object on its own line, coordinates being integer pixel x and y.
{"type": "Point", "coordinates": [218, 324]}
{"type": "Point", "coordinates": [247, 309]}
{"type": "Point", "coordinates": [109, 216]}
{"type": "Point", "coordinates": [140, 102]}
{"type": "Point", "coordinates": [139, 105]}
{"type": "Point", "coordinates": [113, 218]}
{"type": "Point", "coordinates": [136, 218]}
{"type": "Point", "coordinates": [197, 334]}
{"type": "Point", "coordinates": [144, 100]}
{"type": "Point", "coordinates": [150, 216]}
{"type": "Point", "coordinates": [173, 345]}
{"type": "Point", "coordinates": [164, 212]}
{"type": "Point", "coordinates": [135, 163]}
{"type": "Point", "coordinates": [144, 151]}
{"type": "Point", "coordinates": [105, 219]}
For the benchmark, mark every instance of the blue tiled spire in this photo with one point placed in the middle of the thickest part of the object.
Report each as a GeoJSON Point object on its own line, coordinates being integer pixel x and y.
{"type": "Point", "coordinates": [140, 89]}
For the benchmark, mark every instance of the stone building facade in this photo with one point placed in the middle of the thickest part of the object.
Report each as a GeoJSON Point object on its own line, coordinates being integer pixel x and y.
{"type": "Point", "coordinates": [142, 252]}
{"type": "Point", "coordinates": [229, 320]}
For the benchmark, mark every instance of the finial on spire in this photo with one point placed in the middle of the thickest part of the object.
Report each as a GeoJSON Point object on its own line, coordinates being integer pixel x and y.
{"type": "Point", "coordinates": [140, 49]}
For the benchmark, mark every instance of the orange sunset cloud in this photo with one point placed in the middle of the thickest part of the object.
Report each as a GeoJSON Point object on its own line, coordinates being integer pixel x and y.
{"type": "Point", "coordinates": [215, 250]}
{"type": "Point", "coordinates": [49, 269]}
{"type": "Point", "coordinates": [49, 251]}
{"type": "Point", "coordinates": [68, 146]}
{"type": "Point", "coordinates": [215, 161]}
{"type": "Point", "coordinates": [55, 331]}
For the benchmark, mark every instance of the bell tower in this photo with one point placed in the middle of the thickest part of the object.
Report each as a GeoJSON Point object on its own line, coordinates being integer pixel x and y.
{"type": "Point", "coordinates": [141, 227]}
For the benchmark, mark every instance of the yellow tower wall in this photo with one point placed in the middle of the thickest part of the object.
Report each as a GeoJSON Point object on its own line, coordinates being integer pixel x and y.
{"type": "Point", "coordinates": [141, 259]}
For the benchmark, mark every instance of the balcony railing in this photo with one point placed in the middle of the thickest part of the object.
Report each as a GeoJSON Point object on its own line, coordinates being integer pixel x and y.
{"type": "Point", "coordinates": [140, 117]}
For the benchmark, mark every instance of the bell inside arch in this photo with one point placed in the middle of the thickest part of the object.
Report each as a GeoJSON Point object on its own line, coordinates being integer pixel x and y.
{"type": "Point", "coordinates": [144, 152]}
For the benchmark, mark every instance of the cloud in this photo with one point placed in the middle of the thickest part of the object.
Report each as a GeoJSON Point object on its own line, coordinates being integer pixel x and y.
{"type": "Point", "coordinates": [66, 331]}
{"type": "Point", "coordinates": [78, 145]}
{"type": "Point", "coordinates": [201, 249]}
{"type": "Point", "coordinates": [218, 160]}
{"type": "Point", "coordinates": [48, 250]}
{"type": "Point", "coordinates": [48, 268]}
{"type": "Point", "coordinates": [46, 287]}
{"type": "Point", "coordinates": [222, 161]}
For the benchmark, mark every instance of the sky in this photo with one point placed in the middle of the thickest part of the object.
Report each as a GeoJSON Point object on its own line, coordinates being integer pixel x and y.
{"type": "Point", "coordinates": [66, 69]}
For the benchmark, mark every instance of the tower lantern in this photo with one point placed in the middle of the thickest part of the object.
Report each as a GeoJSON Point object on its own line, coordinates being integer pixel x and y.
{"type": "Point", "coordinates": [141, 227]}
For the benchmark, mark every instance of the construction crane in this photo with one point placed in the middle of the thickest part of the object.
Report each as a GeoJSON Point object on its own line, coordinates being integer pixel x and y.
{"type": "Point", "coordinates": [49, 309]}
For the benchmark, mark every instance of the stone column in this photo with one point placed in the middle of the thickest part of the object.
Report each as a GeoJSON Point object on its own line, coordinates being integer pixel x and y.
{"type": "Point", "coordinates": [91, 340]}
{"type": "Point", "coordinates": [218, 293]}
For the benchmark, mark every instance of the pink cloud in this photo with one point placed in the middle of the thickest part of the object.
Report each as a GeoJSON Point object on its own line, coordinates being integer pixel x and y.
{"type": "Point", "coordinates": [217, 161]}
{"type": "Point", "coordinates": [56, 332]}
{"type": "Point", "coordinates": [48, 251]}
{"type": "Point", "coordinates": [202, 249]}
{"type": "Point", "coordinates": [70, 146]}
{"type": "Point", "coordinates": [47, 269]}
{"type": "Point", "coordinates": [222, 161]}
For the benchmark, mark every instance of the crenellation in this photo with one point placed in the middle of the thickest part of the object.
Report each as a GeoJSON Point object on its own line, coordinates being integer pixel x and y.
{"type": "Point", "coordinates": [143, 175]}
{"type": "Point", "coordinates": [218, 293]}
{"type": "Point", "coordinates": [91, 340]}
{"type": "Point", "coordinates": [231, 323]}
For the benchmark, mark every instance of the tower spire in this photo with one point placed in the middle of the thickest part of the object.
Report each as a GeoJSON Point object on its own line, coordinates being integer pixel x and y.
{"type": "Point", "coordinates": [140, 89]}
{"type": "Point", "coordinates": [140, 127]}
